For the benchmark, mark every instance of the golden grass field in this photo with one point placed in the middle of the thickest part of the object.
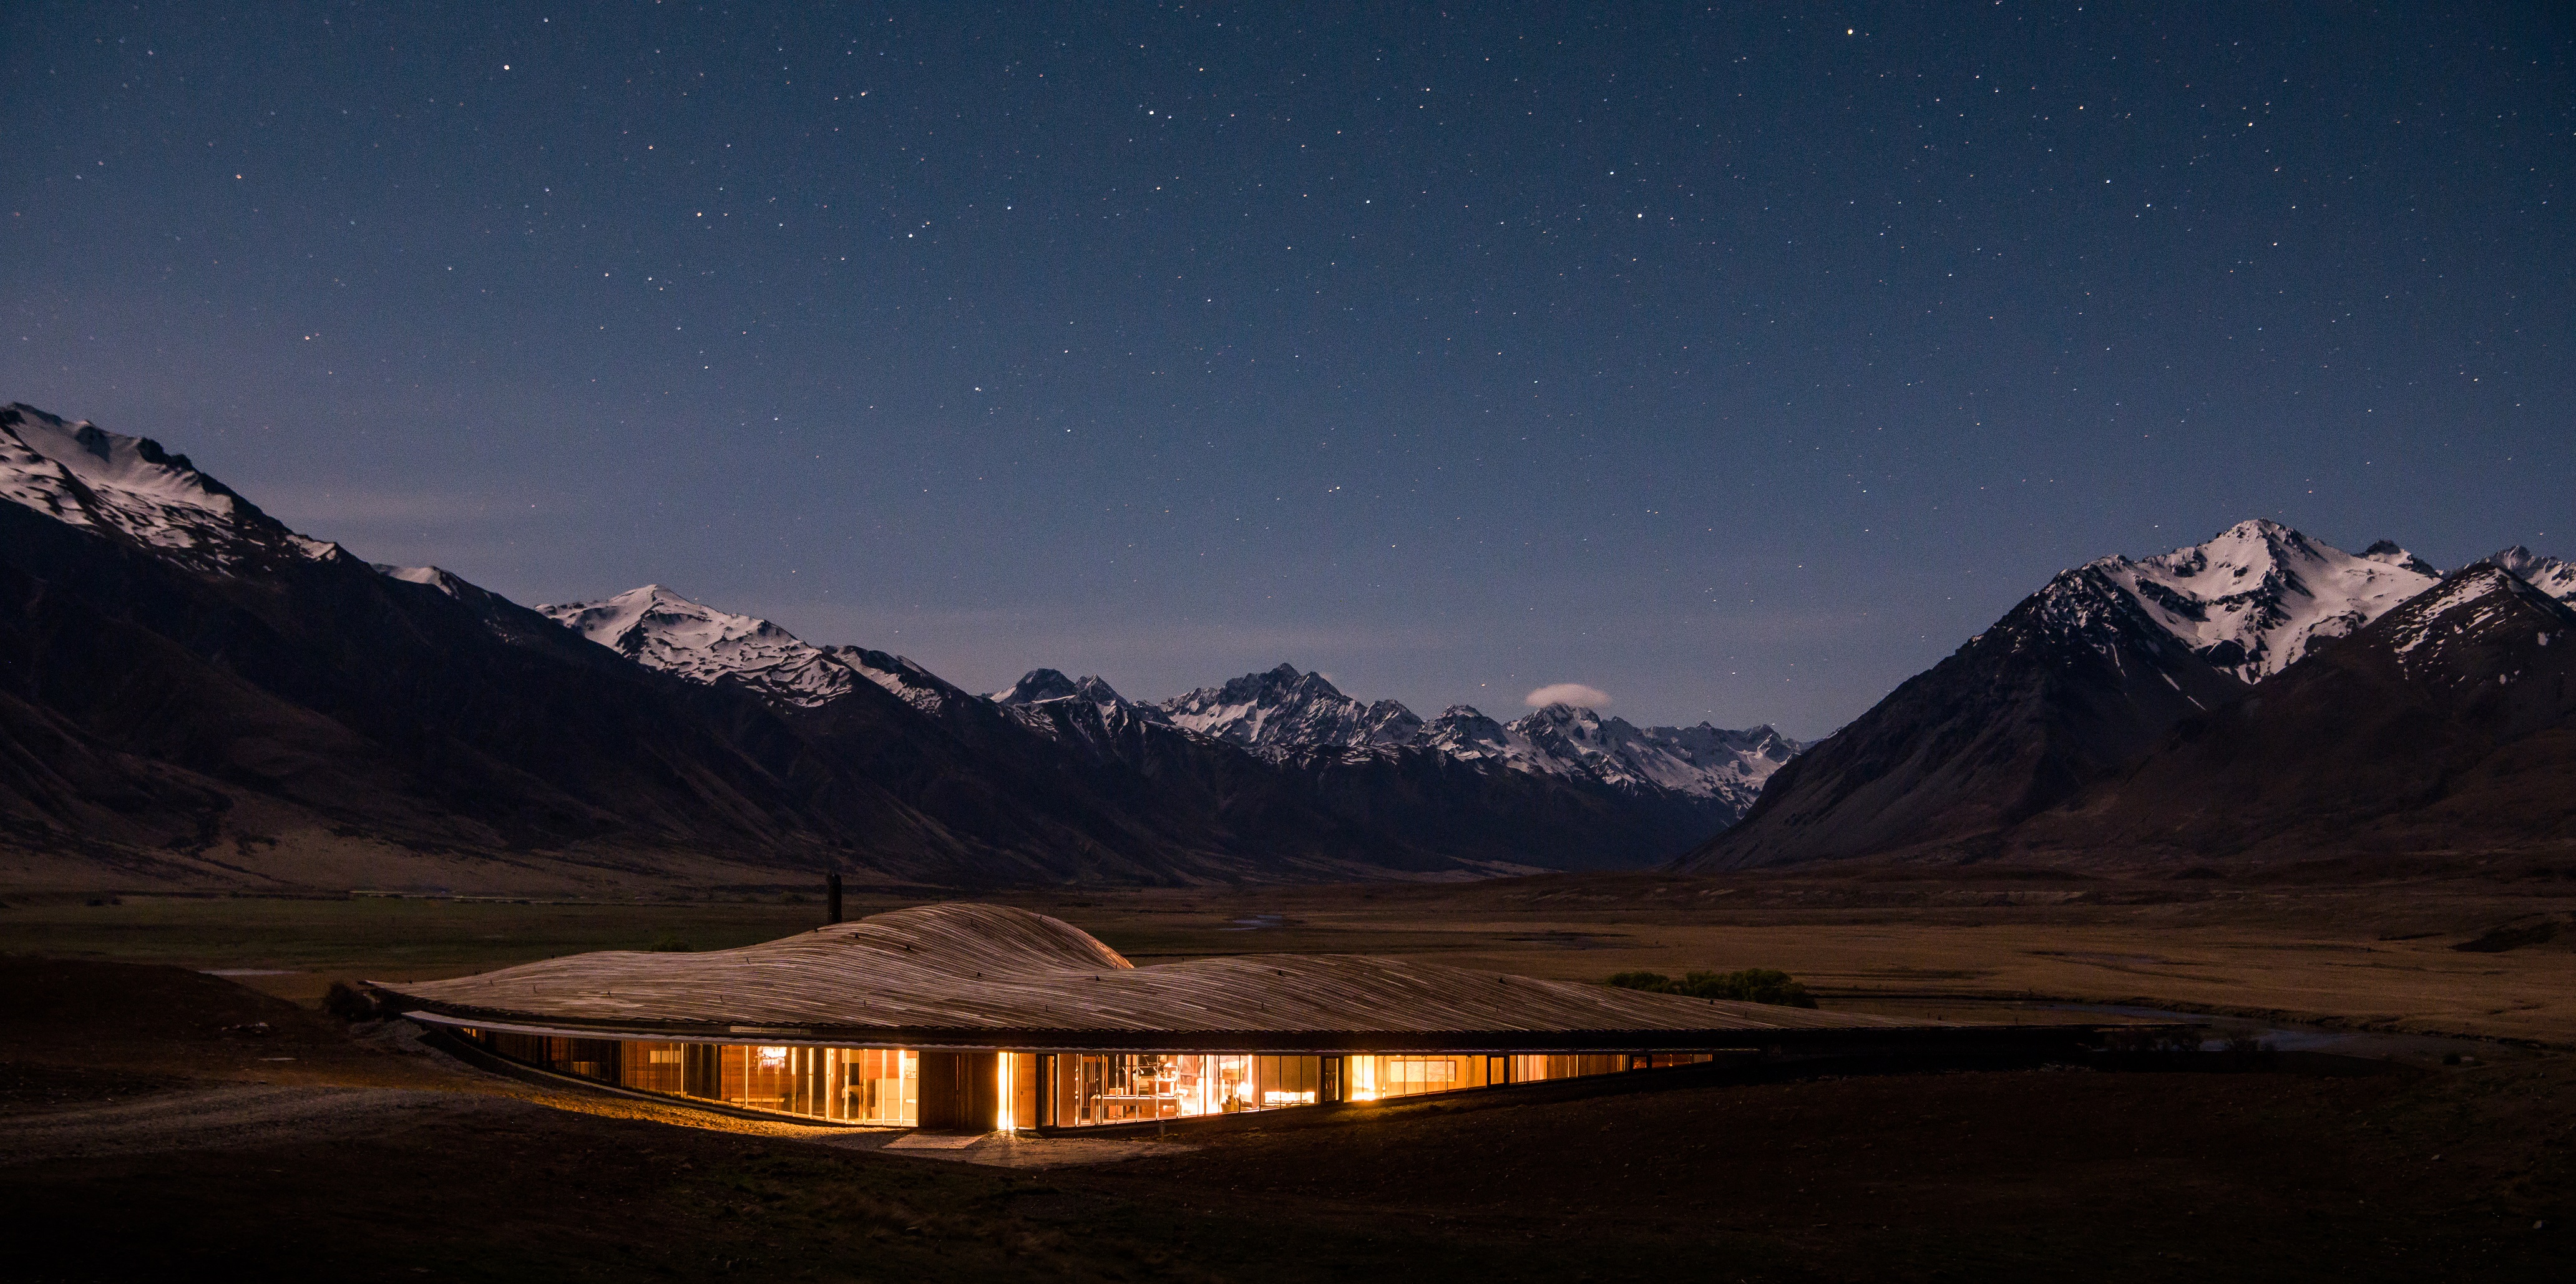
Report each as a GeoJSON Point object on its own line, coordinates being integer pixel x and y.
{"type": "Point", "coordinates": [2376, 956]}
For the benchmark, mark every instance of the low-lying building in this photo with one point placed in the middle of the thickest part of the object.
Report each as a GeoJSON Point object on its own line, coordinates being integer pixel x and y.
{"type": "Point", "coordinates": [976, 1017]}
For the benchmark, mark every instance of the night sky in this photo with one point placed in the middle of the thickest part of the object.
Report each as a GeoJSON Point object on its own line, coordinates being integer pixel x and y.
{"type": "Point", "coordinates": [1736, 363]}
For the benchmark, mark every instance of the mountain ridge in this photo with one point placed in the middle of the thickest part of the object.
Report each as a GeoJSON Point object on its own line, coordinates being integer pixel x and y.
{"type": "Point", "coordinates": [2073, 686]}
{"type": "Point", "coordinates": [2447, 724]}
{"type": "Point", "coordinates": [245, 705]}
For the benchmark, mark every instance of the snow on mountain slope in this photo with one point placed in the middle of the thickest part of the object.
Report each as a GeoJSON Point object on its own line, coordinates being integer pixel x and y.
{"type": "Point", "coordinates": [1284, 710]}
{"type": "Point", "coordinates": [445, 581]}
{"type": "Point", "coordinates": [130, 489]}
{"type": "Point", "coordinates": [906, 678]}
{"type": "Point", "coordinates": [2254, 599]}
{"type": "Point", "coordinates": [2551, 575]}
{"type": "Point", "coordinates": [1560, 740]}
{"type": "Point", "coordinates": [660, 629]}
{"type": "Point", "coordinates": [2484, 610]}
{"type": "Point", "coordinates": [1284, 707]}
{"type": "Point", "coordinates": [1043, 686]}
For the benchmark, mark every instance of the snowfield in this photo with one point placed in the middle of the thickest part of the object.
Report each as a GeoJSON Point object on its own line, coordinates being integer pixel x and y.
{"type": "Point", "coordinates": [2257, 597]}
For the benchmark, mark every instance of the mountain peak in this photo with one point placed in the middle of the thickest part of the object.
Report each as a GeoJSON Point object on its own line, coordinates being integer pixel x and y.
{"type": "Point", "coordinates": [130, 490]}
{"type": "Point", "coordinates": [2259, 595]}
{"type": "Point", "coordinates": [2259, 528]}
{"type": "Point", "coordinates": [2394, 554]}
{"type": "Point", "coordinates": [1036, 685]}
{"type": "Point", "coordinates": [1043, 690]}
{"type": "Point", "coordinates": [2478, 609]}
{"type": "Point", "coordinates": [2551, 575]}
{"type": "Point", "coordinates": [1285, 708]}
{"type": "Point", "coordinates": [1561, 714]}
{"type": "Point", "coordinates": [662, 630]}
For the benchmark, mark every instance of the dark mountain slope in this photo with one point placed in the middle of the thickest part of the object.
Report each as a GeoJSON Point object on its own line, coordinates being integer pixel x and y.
{"type": "Point", "coordinates": [1420, 808]}
{"type": "Point", "coordinates": [2447, 725]}
{"type": "Point", "coordinates": [2071, 683]}
{"type": "Point", "coordinates": [189, 690]}
{"type": "Point", "coordinates": [397, 709]}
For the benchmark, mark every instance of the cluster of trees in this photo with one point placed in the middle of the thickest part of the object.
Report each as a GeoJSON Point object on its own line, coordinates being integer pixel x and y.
{"type": "Point", "coordinates": [1749, 985]}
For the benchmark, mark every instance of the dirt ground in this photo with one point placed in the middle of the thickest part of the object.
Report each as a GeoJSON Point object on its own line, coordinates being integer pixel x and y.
{"type": "Point", "coordinates": [155, 1119]}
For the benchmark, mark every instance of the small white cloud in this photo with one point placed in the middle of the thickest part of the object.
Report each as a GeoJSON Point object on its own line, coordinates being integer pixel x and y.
{"type": "Point", "coordinates": [1573, 693]}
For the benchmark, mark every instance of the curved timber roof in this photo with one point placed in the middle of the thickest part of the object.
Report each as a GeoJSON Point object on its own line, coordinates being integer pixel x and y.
{"type": "Point", "coordinates": [986, 975]}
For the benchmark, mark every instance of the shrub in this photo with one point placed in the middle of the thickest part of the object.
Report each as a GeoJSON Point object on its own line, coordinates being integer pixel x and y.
{"type": "Point", "coordinates": [352, 1004]}
{"type": "Point", "coordinates": [1655, 981]}
{"type": "Point", "coordinates": [1748, 985]}
{"type": "Point", "coordinates": [668, 943]}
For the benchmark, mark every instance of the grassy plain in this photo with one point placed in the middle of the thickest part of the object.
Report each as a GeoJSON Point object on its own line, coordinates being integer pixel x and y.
{"type": "Point", "coordinates": [2377, 956]}
{"type": "Point", "coordinates": [265, 1137]}
{"type": "Point", "coordinates": [2372, 955]}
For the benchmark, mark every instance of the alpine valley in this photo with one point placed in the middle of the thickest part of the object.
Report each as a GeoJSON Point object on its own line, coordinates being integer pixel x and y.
{"type": "Point", "coordinates": [196, 695]}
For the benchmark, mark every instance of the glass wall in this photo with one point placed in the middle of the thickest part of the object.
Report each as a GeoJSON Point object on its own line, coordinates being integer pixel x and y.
{"type": "Point", "coordinates": [1138, 1087]}
{"type": "Point", "coordinates": [852, 1085]}
{"type": "Point", "coordinates": [1384, 1077]}
{"type": "Point", "coordinates": [1126, 1088]}
{"type": "Point", "coordinates": [884, 1085]}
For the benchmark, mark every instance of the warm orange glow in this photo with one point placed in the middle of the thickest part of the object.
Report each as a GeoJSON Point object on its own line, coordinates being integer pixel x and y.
{"type": "Point", "coordinates": [1002, 1082]}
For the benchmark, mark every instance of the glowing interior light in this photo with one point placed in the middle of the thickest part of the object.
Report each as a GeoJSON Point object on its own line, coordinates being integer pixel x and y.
{"type": "Point", "coordinates": [772, 1058]}
{"type": "Point", "coordinates": [1002, 1080]}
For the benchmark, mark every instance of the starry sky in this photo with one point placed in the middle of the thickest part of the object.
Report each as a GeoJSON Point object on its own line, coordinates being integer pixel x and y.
{"type": "Point", "coordinates": [1732, 362]}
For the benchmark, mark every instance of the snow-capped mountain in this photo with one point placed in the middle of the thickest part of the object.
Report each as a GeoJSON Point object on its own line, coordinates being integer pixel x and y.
{"type": "Point", "coordinates": [908, 679]}
{"type": "Point", "coordinates": [2452, 634]}
{"type": "Point", "coordinates": [1285, 711]}
{"type": "Point", "coordinates": [1045, 686]}
{"type": "Point", "coordinates": [1561, 740]}
{"type": "Point", "coordinates": [1284, 716]}
{"type": "Point", "coordinates": [300, 700]}
{"type": "Point", "coordinates": [311, 711]}
{"type": "Point", "coordinates": [2555, 576]}
{"type": "Point", "coordinates": [131, 490]}
{"type": "Point", "coordinates": [1284, 708]}
{"type": "Point", "coordinates": [662, 630]}
{"type": "Point", "coordinates": [2106, 661]}
{"type": "Point", "coordinates": [2257, 597]}
{"type": "Point", "coordinates": [2077, 678]}
{"type": "Point", "coordinates": [2446, 725]}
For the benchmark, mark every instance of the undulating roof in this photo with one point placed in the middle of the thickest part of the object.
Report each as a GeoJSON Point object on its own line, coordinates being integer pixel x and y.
{"type": "Point", "coordinates": [986, 975]}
